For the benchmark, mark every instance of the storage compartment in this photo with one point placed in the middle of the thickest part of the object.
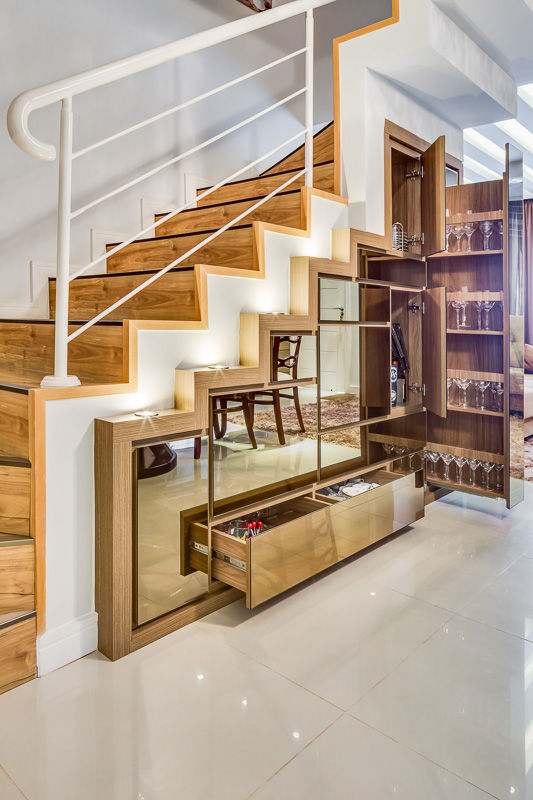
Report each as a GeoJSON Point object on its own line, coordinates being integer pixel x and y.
{"type": "Point", "coordinates": [406, 333]}
{"type": "Point", "coordinates": [395, 439]}
{"type": "Point", "coordinates": [304, 536]}
{"type": "Point", "coordinates": [402, 271]}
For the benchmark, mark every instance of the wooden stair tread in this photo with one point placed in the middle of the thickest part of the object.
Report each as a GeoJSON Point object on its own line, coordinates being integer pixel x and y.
{"type": "Point", "coordinates": [13, 617]}
{"type": "Point", "coordinates": [284, 208]}
{"type": "Point", "coordinates": [323, 150]}
{"type": "Point", "coordinates": [14, 539]}
{"type": "Point", "coordinates": [323, 178]}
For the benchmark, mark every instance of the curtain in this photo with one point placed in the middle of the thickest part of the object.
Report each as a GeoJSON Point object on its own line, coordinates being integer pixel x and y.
{"type": "Point", "coordinates": [528, 270]}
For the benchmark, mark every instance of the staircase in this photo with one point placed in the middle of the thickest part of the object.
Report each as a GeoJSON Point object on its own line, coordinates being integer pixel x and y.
{"type": "Point", "coordinates": [101, 357]}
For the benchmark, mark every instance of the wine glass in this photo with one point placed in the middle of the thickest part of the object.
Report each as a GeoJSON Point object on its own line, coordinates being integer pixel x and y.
{"type": "Point", "coordinates": [449, 383]}
{"type": "Point", "coordinates": [447, 459]}
{"type": "Point", "coordinates": [469, 229]}
{"type": "Point", "coordinates": [486, 229]}
{"type": "Point", "coordinates": [457, 305]}
{"type": "Point", "coordinates": [463, 384]}
{"type": "Point", "coordinates": [481, 387]}
{"type": "Point", "coordinates": [500, 232]}
{"type": "Point", "coordinates": [487, 305]}
{"type": "Point", "coordinates": [473, 463]}
{"type": "Point", "coordinates": [497, 391]}
{"type": "Point", "coordinates": [389, 449]}
{"type": "Point", "coordinates": [460, 462]}
{"type": "Point", "coordinates": [499, 477]}
{"type": "Point", "coordinates": [432, 457]}
{"type": "Point", "coordinates": [459, 230]}
{"type": "Point", "coordinates": [449, 234]}
{"type": "Point", "coordinates": [487, 468]}
{"type": "Point", "coordinates": [479, 306]}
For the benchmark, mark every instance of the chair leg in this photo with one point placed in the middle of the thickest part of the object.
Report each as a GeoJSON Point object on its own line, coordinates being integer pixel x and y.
{"type": "Point", "coordinates": [277, 415]}
{"type": "Point", "coordinates": [220, 418]}
{"type": "Point", "coordinates": [197, 447]}
{"type": "Point", "coordinates": [298, 409]}
{"type": "Point", "coordinates": [247, 414]}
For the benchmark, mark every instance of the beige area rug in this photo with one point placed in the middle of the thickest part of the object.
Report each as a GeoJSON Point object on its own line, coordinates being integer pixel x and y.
{"type": "Point", "coordinates": [337, 411]}
{"type": "Point", "coordinates": [528, 458]}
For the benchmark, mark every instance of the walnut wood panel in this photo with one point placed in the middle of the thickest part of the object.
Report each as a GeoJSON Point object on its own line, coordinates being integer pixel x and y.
{"type": "Point", "coordinates": [405, 203]}
{"type": "Point", "coordinates": [411, 325]}
{"type": "Point", "coordinates": [259, 187]}
{"type": "Point", "coordinates": [375, 371]}
{"type": "Point", "coordinates": [283, 209]}
{"type": "Point", "coordinates": [17, 654]}
{"type": "Point", "coordinates": [434, 350]}
{"type": "Point", "coordinates": [323, 150]}
{"type": "Point", "coordinates": [468, 431]}
{"type": "Point", "coordinates": [15, 491]}
{"type": "Point", "coordinates": [17, 577]}
{"type": "Point", "coordinates": [375, 304]}
{"type": "Point", "coordinates": [14, 424]}
{"type": "Point", "coordinates": [433, 198]}
{"type": "Point", "coordinates": [477, 197]}
{"type": "Point", "coordinates": [95, 356]}
{"type": "Point", "coordinates": [478, 273]}
{"type": "Point", "coordinates": [481, 455]}
{"type": "Point", "coordinates": [173, 296]}
{"type": "Point", "coordinates": [233, 248]}
{"type": "Point", "coordinates": [395, 270]}
{"type": "Point", "coordinates": [475, 354]}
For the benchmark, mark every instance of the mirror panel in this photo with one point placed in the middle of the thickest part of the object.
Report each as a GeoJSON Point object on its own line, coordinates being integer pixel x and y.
{"type": "Point", "coordinates": [167, 480]}
{"type": "Point", "coordinates": [260, 440]}
{"type": "Point", "coordinates": [339, 375]}
{"type": "Point", "coordinates": [338, 300]}
{"type": "Point", "coordinates": [293, 356]}
{"type": "Point", "coordinates": [515, 275]}
{"type": "Point", "coordinates": [341, 450]}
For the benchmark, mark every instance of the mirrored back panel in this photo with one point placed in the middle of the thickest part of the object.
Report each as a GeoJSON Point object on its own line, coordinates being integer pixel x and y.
{"type": "Point", "coordinates": [516, 298]}
{"type": "Point", "coordinates": [167, 480]}
{"type": "Point", "coordinates": [262, 442]}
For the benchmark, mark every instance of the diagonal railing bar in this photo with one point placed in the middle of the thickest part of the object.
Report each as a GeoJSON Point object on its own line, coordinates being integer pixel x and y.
{"type": "Point", "coordinates": [184, 207]}
{"type": "Point", "coordinates": [187, 103]}
{"type": "Point", "coordinates": [187, 153]}
{"type": "Point", "coordinates": [182, 258]}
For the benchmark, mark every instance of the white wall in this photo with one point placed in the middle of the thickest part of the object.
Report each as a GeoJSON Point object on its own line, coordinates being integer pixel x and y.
{"type": "Point", "coordinates": [40, 42]}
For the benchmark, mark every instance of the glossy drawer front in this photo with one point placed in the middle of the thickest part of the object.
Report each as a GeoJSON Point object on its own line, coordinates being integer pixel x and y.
{"type": "Point", "coordinates": [288, 555]}
{"type": "Point", "coordinates": [321, 534]}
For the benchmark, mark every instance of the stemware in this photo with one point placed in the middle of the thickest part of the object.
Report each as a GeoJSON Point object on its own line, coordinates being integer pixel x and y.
{"type": "Point", "coordinates": [481, 387]}
{"type": "Point", "coordinates": [464, 305]}
{"type": "Point", "coordinates": [469, 229]}
{"type": "Point", "coordinates": [499, 477]}
{"type": "Point", "coordinates": [486, 229]}
{"type": "Point", "coordinates": [432, 457]}
{"type": "Point", "coordinates": [389, 449]}
{"type": "Point", "coordinates": [447, 459]}
{"type": "Point", "coordinates": [463, 384]}
{"type": "Point", "coordinates": [457, 306]}
{"type": "Point", "coordinates": [500, 232]}
{"type": "Point", "coordinates": [479, 307]}
{"type": "Point", "coordinates": [449, 234]}
{"type": "Point", "coordinates": [460, 462]}
{"type": "Point", "coordinates": [473, 464]}
{"type": "Point", "coordinates": [459, 231]}
{"type": "Point", "coordinates": [449, 383]}
{"type": "Point", "coordinates": [487, 306]}
{"type": "Point", "coordinates": [497, 391]}
{"type": "Point", "coordinates": [487, 468]}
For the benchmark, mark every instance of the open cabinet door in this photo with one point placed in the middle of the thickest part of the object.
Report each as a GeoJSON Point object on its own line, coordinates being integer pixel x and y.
{"type": "Point", "coordinates": [434, 372]}
{"type": "Point", "coordinates": [433, 198]}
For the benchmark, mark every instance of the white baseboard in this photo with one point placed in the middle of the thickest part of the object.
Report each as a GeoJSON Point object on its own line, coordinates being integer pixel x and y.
{"type": "Point", "coordinates": [60, 646]}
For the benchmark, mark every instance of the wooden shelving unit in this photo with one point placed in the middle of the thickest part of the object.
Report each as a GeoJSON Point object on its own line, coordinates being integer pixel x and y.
{"type": "Point", "coordinates": [465, 487]}
{"type": "Point", "coordinates": [472, 332]}
{"type": "Point", "coordinates": [467, 253]}
{"type": "Point", "coordinates": [468, 410]}
{"type": "Point", "coordinates": [479, 216]}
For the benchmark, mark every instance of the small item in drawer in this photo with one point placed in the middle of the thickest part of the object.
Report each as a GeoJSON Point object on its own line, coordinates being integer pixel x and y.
{"type": "Point", "coordinates": [358, 488]}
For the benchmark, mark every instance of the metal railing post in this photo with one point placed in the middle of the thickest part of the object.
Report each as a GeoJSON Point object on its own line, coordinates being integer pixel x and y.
{"type": "Point", "coordinates": [60, 376]}
{"type": "Point", "coordinates": [309, 97]}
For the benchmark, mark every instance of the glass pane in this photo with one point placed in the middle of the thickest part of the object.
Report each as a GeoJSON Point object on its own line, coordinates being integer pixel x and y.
{"type": "Point", "coordinates": [515, 260]}
{"type": "Point", "coordinates": [341, 446]}
{"type": "Point", "coordinates": [263, 438]}
{"type": "Point", "coordinates": [169, 481]}
{"type": "Point", "coordinates": [293, 357]}
{"type": "Point", "coordinates": [339, 375]}
{"type": "Point", "coordinates": [339, 300]}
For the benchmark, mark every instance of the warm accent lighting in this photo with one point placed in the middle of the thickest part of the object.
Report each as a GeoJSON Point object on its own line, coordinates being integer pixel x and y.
{"type": "Point", "coordinates": [146, 414]}
{"type": "Point", "coordinates": [218, 366]}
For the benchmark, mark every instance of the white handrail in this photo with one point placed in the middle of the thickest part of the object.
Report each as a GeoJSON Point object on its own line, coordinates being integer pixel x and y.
{"type": "Point", "coordinates": [22, 106]}
{"type": "Point", "coordinates": [157, 117]}
{"type": "Point", "coordinates": [64, 90]}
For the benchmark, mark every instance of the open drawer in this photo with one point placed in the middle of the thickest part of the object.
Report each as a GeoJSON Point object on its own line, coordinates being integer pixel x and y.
{"type": "Point", "coordinates": [306, 535]}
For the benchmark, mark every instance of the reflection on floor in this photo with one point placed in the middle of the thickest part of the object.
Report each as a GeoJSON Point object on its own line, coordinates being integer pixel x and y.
{"type": "Point", "coordinates": [405, 673]}
{"type": "Point", "coordinates": [238, 467]}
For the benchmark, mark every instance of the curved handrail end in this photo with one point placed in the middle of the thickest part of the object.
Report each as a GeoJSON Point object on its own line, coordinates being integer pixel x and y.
{"type": "Point", "coordinates": [17, 125]}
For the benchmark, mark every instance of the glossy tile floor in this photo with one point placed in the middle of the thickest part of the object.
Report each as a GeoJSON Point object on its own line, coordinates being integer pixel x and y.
{"type": "Point", "coordinates": [406, 673]}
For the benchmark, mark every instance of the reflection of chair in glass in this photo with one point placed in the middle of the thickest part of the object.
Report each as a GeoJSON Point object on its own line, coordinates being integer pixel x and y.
{"type": "Point", "coordinates": [287, 365]}
{"type": "Point", "coordinates": [155, 459]}
{"type": "Point", "coordinates": [239, 402]}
